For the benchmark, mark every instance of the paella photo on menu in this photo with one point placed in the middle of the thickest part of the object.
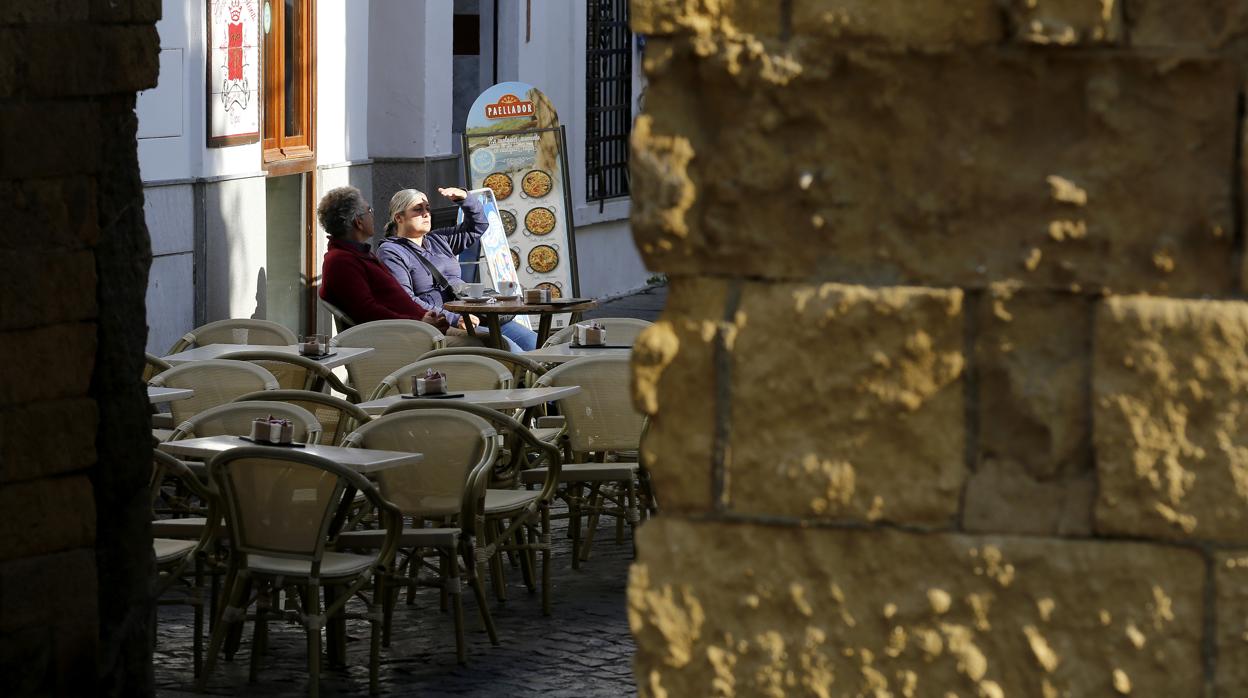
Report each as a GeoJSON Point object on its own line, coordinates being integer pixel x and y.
{"type": "Point", "coordinates": [514, 150]}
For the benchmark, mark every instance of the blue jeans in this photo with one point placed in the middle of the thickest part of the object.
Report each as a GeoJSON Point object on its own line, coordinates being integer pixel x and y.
{"type": "Point", "coordinates": [518, 337]}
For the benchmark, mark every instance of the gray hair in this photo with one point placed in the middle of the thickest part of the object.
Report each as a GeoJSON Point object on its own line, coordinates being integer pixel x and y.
{"type": "Point", "coordinates": [338, 210]}
{"type": "Point", "coordinates": [399, 203]}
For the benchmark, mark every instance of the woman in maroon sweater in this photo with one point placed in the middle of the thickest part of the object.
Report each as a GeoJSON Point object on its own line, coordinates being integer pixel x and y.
{"type": "Point", "coordinates": [352, 277]}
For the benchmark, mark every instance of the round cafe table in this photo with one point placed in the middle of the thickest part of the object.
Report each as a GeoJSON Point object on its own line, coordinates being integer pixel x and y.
{"type": "Point", "coordinates": [490, 312]}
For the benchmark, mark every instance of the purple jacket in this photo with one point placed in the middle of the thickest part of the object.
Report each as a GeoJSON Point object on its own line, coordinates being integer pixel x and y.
{"type": "Point", "coordinates": [440, 247]}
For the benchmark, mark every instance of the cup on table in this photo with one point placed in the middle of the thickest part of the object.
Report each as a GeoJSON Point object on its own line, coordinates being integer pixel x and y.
{"type": "Point", "coordinates": [313, 345]}
{"type": "Point", "coordinates": [474, 290]}
{"type": "Point", "coordinates": [508, 288]}
{"type": "Point", "coordinates": [240, 335]}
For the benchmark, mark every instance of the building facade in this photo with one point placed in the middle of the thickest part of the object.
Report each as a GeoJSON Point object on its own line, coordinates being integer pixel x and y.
{"type": "Point", "coordinates": [371, 93]}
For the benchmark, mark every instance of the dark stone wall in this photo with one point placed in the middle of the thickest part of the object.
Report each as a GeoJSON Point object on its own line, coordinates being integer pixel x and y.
{"type": "Point", "coordinates": [75, 445]}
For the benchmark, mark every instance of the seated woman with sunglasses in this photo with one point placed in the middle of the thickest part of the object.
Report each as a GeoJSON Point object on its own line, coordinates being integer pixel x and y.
{"type": "Point", "coordinates": [425, 262]}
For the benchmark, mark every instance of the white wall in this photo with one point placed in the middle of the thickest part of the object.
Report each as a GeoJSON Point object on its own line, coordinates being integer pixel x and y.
{"type": "Point", "coordinates": [342, 81]}
{"type": "Point", "coordinates": [409, 85]}
{"type": "Point", "coordinates": [552, 59]}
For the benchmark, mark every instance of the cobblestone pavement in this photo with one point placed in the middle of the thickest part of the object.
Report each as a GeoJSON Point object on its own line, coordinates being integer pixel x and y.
{"type": "Point", "coordinates": [643, 305]}
{"type": "Point", "coordinates": [583, 649]}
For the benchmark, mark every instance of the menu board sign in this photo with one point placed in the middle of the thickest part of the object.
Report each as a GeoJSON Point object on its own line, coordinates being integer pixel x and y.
{"type": "Point", "coordinates": [514, 146]}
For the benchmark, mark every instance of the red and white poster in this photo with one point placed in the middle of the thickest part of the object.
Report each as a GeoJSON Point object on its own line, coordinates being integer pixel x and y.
{"type": "Point", "coordinates": [233, 72]}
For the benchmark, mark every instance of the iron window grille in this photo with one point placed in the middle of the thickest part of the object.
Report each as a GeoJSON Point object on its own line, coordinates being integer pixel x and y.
{"type": "Point", "coordinates": [609, 95]}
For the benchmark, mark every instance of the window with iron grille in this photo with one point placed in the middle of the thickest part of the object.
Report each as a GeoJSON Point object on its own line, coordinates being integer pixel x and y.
{"type": "Point", "coordinates": [608, 99]}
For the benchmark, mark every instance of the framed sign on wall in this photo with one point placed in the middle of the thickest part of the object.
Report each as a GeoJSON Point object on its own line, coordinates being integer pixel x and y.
{"type": "Point", "coordinates": [233, 72]}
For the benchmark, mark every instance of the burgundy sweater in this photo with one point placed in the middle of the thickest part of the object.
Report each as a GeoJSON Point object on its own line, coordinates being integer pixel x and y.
{"type": "Point", "coordinates": [353, 279]}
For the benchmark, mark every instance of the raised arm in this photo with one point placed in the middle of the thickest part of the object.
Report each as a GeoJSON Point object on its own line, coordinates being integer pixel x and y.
{"type": "Point", "coordinates": [474, 225]}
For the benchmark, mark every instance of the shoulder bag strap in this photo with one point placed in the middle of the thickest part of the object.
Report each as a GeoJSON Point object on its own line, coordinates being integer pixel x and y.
{"type": "Point", "coordinates": [438, 278]}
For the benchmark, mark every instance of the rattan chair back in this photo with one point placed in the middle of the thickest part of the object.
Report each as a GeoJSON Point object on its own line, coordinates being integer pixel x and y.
{"type": "Point", "coordinates": [251, 331]}
{"type": "Point", "coordinates": [456, 445]}
{"type": "Point", "coordinates": [153, 366]}
{"type": "Point", "coordinates": [462, 373]}
{"type": "Point", "coordinates": [215, 382]}
{"type": "Point", "coordinates": [620, 331]}
{"type": "Point", "coordinates": [294, 372]}
{"type": "Point", "coordinates": [279, 502]}
{"type": "Point", "coordinates": [235, 418]}
{"type": "Point", "coordinates": [336, 416]}
{"type": "Point", "coordinates": [395, 343]}
{"type": "Point", "coordinates": [601, 417]}
{"type": "Point", "coordinates": [523, 369]}
{"type": "Point", "coordinates": [341, 319]}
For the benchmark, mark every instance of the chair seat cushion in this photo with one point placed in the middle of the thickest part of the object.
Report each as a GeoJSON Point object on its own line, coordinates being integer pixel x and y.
{"type": "Point", "coordinates": [584, 472]}
{"type": "Point", "coordinates": [168, 550]}
{"type": "Point", "coordinates": [332, 565]}
{"type": "Point", "coordinates": [505, 500]}
{"type": "Point", "coordinates": [409, 538]}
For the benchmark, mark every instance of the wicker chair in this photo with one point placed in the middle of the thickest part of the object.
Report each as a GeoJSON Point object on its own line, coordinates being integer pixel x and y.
{"type": "Point", "coordinates": [173, 556]}
{"type": "Point", "coordinates": [462, 373]}
{"type": "Point", "coordinates": [235, 418]}
{"type": "Point", "coordinates": [294, 372]}
{"type": "Point", "coordinates": [601, 422]}
{"type": "Point", "coordinates": [510, 520]}
{"type": "Point", "coordinates": [280, 505]}
{"type": "Point", "coordinates": [215, 382]}
{"type": "Point", "coordinates": [458, 448]}
{"type": "Point", "coordinates": [524, 370]}
{"type": "Point", "coordinates": [620, 330]}
{"type": "Point", "coordinates": [260, 332]}
{"type": "Point", "coordinates": [396, 343]}
{"type": "Point", "coordinates": [341, 319]}
{"type": "Point", "coordinates": [153, 365]}
{"type": "Point", "coordinates": [336, 416]}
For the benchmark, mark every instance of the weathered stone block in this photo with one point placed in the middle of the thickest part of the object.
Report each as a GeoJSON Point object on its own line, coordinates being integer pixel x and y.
{"type": "Point", "coordinates": [8, 62]}
{"type": "Point", "coordinates": [732, 17]}
{"type": "Point", "coordinates": [34, 11]}
{"type": "Point", "coordinates": [107, 59]}
{"type": "Point", "coordinates": [676, 385]}
{"type": "Point", "coordinates": [721, 609]}
{"type": "Point", "coordinates": [48, 629]}
{"type": "Point", "coordinates": [898, 24]}
{"type": "Point", "coordinates": [1033, 365]}
{"type": "Point", "coordinates": [48, 363]}
{"type": "Point", "coordinates": [1170, 399]}
{"type": "Point", "coordinates": [1203, 24]}
{"type": "Point", "coordinates": [34, 139]}
{"type": "Point", "coordinates": [40, 288]}
{"type": "Point", "coordinates": [1066, 22]}
{"type": "Point", "coordinates": [1018, 157]}
{"type": "Point", "coordinates": [866, 422]}
{"type": "Point", "coordinates": [1002, 496]}
{"type": "Point", "coordinates": [49, 214]}
{"type": "Point", "coordinates": [1231, 619]}
{"type": "Point", "coordinates": [1032, 373]}
{"type": "Point", "coordinates": [46, 516]}
{"type": "Point", "coordinates": [26, 452]}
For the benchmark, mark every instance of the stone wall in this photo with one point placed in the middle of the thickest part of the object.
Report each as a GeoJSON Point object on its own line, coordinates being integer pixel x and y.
{"type": "Point", "coordinates": [950, 397]}
{"type": "Point", "coordinates": [75, 556]}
